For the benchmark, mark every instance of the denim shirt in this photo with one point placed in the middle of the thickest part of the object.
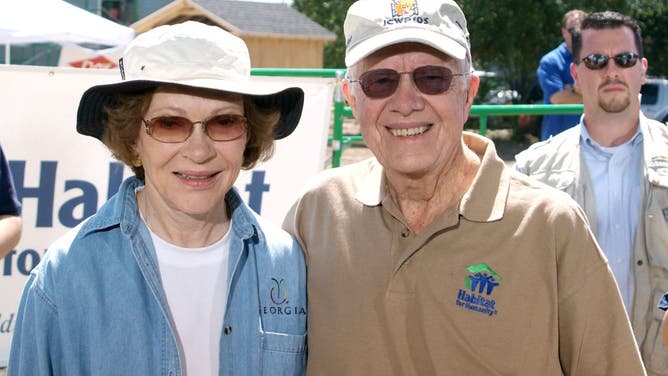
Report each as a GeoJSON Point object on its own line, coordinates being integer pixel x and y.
{"type": "Point", "coordinates": [95, 304]}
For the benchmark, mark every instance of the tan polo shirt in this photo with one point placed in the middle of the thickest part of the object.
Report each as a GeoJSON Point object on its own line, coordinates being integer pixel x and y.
{"type": "Point", "coordinates": [509, 283]}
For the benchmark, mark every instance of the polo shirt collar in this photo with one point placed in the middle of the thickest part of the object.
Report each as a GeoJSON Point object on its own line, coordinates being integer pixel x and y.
{"type": "Point", "coordinates": [373, 188]}
{"type": "Point", "coordinates": [483, 202]}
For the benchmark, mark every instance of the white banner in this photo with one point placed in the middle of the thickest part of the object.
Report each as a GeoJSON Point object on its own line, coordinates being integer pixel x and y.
{"type": "Point", "coordinates": [64, 177]}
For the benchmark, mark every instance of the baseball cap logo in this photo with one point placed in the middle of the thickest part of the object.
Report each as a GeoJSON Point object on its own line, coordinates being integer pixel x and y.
{"type": "Point", "coordinates": [402, 8]}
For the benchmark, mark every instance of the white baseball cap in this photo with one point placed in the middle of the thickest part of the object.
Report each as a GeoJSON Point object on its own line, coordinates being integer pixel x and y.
{"type": "Point", "coordinates": [189, 54]}
{"type": "Point", "coordinates": [371, 25]}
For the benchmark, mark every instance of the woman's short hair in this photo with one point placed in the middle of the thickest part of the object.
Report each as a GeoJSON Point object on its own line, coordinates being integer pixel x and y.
{"type": "Point", "coordinates": [124, 122]}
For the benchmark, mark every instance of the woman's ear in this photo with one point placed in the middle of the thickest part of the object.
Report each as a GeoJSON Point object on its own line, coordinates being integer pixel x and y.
{"type": "Point", "coordinates": [136, 158]}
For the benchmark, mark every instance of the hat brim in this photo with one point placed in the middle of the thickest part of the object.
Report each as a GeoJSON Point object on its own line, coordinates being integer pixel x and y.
{"type": "Point", "coordinates": [92, 118]}
{"type": "Point", "coordinates": [435, 40]}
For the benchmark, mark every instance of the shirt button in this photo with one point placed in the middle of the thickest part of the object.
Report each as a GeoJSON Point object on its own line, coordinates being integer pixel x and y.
{"type": "Point", "coordinates": [405, 233]}
{"type": "Point", "coordinates": [228, 330]}
{"type": "Point", "coordinates": [639, 262]}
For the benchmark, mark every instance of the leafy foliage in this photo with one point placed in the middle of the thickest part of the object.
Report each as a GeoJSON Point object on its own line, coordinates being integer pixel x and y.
{"type": "Point", "coordinates": [330, 14]}
{"type": "Point", "coordinates": [509, 37]}
{"type": "Point", "coordinates": [653, 19]}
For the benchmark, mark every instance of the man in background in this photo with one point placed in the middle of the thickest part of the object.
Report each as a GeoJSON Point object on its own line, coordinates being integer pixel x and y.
{"type": "Point", "coordinates": [615, 164]}
{"type": "Point", "coordinates": [554, 77]}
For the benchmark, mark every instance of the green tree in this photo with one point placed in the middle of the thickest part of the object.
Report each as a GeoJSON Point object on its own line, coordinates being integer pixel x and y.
{"type": "Point", "coordinates": [653, 18]}
{"type": "Point", "coordinates": [330, 14]}
{"type": "Point", "coordinates": [509, 37]}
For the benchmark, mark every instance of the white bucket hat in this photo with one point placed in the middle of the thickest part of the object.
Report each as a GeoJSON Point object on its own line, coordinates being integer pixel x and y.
{"type": "Point", "coordinates": [189, 54]}
{"type": "Point", "coordinates": [371, 25]}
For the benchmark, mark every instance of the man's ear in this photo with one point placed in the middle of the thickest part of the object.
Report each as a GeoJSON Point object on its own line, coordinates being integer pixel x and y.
{"type": "Point", "coordinates": [574, 73]}
{"type": "Point", "coordinates": [348, 96]}
{"type": "Point", "coordinates": [474, 84]}
{"type": "Point", "coordinates": [346, 90]}
{"type": "Point", "coordinates": [645, 65]}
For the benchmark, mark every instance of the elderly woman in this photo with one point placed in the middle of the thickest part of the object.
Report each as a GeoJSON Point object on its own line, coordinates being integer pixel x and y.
{"type": "Point", "coordinates": [174, 275]}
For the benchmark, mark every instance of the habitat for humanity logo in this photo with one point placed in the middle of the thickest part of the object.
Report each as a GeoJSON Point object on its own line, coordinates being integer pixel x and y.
{"type": "Point", "coordinates": [480, 285]}
{"type": "Point", "coordinates": [278, 295]}
{"type": "Point", "coordinates": [404, 11]}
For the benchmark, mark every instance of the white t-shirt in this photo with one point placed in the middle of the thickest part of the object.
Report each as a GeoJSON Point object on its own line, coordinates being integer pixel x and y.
{"type": "Point", "coordinates": [195, 282]}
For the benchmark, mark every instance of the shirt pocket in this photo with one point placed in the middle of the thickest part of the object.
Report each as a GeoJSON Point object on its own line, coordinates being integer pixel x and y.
{"type": "Point", "coordinates": [283, 354]}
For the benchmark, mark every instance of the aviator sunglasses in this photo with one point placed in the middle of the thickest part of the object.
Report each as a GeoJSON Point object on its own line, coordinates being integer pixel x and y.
{"type": "Point", "coordinates": [429, 79]}
{"type": "Point", "coordinates": [599, 61]}
{"type": "Point", "coordinates": [174, 129]}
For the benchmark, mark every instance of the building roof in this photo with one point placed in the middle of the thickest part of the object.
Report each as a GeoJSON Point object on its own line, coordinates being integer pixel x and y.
{"type": "Point", "coordinates": [242, 18]}
{"type": "Point", "coordinates": [266, 18]}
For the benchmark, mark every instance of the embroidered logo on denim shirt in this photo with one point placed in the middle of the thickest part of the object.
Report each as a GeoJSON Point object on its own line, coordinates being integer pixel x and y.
{"type": "Point", "coordinates": [480, 285]}
{"type": "Point", "coordinates": [279, 297]}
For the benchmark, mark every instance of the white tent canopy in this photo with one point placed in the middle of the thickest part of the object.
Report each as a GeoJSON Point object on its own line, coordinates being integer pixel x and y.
{"type": "Point", "coordinates": [40, 21]}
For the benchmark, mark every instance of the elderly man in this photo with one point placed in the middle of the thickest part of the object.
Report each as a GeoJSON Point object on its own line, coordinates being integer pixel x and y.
{"type": "Point", "coordinates": [433, 258]}
{"type": "Point", "coordinates": [614, 165]}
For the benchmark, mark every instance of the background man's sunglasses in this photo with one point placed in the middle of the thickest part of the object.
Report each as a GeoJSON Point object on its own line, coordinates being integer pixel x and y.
{"type": "Point", "coordinates": [429, 79]}
{"type": "Point", "coordinates": [599, 61]}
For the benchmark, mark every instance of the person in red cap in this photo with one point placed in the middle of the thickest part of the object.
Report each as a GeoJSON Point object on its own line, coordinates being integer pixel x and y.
{"type": "Point", "coordinates": [433, 257]}
{"type": "Point", "coordinates": [175, 274]}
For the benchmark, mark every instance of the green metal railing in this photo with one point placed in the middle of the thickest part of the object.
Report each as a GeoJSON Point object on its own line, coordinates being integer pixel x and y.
{"type": "Point", "coordinates": [338, 140]}
{"type": "Point", "coordinates": [486, 110]}
{"type": "Point", "coordinates": [298, 72]}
